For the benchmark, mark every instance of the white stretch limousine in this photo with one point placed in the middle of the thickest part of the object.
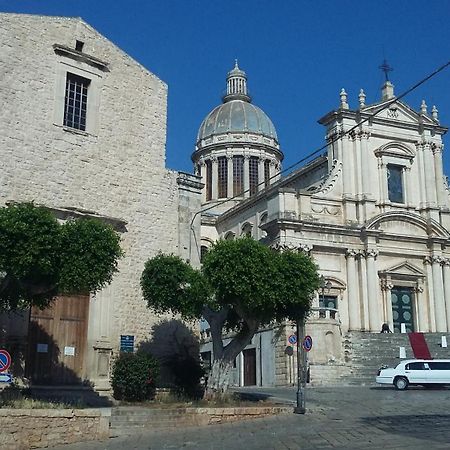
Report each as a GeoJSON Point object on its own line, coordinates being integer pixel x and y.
{"type": "Point", "coordinates": [426, 372]}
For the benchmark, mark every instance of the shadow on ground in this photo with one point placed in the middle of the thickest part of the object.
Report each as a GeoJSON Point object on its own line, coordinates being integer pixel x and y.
{"type": "Point", "coordinates": [429, 427]}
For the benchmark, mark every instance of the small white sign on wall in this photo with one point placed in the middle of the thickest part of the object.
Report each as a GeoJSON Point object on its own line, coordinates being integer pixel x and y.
{"type": "Point", "coordinates": [403, 327]}
{"type": "Point", "coordinates": [69, 351]}
{"type": "Point", "coordinates": [443, 341]}
{"type": "Point", "coordinates": [402, 352]}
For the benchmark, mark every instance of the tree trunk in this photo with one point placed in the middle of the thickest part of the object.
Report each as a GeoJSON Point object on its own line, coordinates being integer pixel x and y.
{"type": "Point", "coordinates": [219, 379]}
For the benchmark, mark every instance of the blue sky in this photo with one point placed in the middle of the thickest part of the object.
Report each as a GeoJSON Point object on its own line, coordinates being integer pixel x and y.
{"type": "Point", "coordinates": [297, 54]}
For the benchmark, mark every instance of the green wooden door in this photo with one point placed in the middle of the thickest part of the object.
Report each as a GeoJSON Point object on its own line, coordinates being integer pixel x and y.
{"type": "Point", "coordinates": [402, 309]}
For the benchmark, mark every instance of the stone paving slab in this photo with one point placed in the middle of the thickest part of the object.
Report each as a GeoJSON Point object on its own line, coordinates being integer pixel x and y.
{"type": "Point", "coordinates": [351, 418]}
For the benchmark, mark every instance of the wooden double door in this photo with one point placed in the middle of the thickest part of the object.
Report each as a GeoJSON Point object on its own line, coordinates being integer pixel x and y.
{"type": "Point", "coordinates": [57, 338]}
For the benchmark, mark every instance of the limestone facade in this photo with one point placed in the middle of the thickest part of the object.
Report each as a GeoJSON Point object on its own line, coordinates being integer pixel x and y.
{"type": "Point", "coordinates": [374, 213]}
{"type": "Point", "coordinates": [113, 169]}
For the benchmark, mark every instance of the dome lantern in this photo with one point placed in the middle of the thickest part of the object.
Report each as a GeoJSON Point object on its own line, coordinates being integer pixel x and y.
{"type": "Point", "coordinates": [236, 85]}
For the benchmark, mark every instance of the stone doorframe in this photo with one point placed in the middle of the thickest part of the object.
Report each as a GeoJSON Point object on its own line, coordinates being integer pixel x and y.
{"type": "Point", "coordinates": [408, 276]}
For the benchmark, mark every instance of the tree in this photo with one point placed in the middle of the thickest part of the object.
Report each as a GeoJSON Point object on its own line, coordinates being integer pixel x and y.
{"type": "Point", "coordinates": [40, 258]}
{"type": "Point", "coordinates": [242, 286]}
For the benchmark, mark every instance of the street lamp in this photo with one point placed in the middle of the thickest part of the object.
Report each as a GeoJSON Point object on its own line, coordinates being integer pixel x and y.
{"type": "Point", "coordinates": [301, 367]}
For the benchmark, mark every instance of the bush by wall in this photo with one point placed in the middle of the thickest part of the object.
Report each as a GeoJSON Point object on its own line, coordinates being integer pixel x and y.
{"type": "Point", "coordinates": [134, 376]}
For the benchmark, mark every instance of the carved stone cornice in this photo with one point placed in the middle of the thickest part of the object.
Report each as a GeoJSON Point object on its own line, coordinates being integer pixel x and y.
{"type": "Point", "coordinates": [281, 247]}
{"type": "Point", "coordinates": [418, 289]}
{"type": "Point", "coordinates": [427, 260]}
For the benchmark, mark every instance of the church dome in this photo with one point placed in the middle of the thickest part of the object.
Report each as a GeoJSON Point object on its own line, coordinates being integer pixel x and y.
{"type": "Point", "coordinates": [236, 116]}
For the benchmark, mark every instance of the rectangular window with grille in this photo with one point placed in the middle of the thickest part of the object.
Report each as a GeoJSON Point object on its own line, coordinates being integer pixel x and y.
{"type": "Point", "coordinates": [75, 101]}
{"type": "Point", "coordinates": [222, 176]}
{"type": "Point", "coordinates": [253, 174]}
{"type": "Point", "coordinates": [395, 183]}
{"type": "Point", "coordinates": [208, 180]}
{"type": "Point", "coordinates": [266, 173]}
{"type": "Point", "coordinates": [238, 175]}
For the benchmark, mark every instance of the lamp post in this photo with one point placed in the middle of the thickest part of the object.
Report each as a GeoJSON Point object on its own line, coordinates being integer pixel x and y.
{"type": "Point", "coordinates": [301, 367]}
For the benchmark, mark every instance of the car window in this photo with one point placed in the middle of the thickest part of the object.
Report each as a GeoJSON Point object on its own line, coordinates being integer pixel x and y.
{"type": "Point", "coordinates": [439, 365]}
{"type": "Point", "coordinates": [415, 366]}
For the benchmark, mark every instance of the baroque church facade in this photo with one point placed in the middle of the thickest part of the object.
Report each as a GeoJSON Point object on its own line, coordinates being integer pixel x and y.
{"type": "Point", "coordinates": [372, 210]}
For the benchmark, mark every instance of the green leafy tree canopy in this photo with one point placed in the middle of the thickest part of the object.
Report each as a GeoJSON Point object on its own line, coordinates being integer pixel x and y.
{"type": "Point", "coordinates": [242, 285]}
{"type": "Point", "coordinates": [40, 258]}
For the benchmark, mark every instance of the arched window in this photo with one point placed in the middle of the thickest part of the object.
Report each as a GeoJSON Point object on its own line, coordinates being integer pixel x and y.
{"type": "Point", "coordinates": [247, 230]}
{"type": "Point", "coordinates": [229, 236]}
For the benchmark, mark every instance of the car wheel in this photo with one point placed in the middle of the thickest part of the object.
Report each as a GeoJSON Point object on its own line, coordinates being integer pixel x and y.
{"type": "Point", "coordinates": [401, 383]}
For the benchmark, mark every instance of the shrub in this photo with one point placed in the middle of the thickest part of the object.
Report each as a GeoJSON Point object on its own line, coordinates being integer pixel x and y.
{"type": "Point", "coordinates": [134, 377]}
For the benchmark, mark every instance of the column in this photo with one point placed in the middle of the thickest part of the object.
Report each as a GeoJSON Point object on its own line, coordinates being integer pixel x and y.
{"type": "Point", "coordinates": [372, 291]}
{"type": "Point", "coordinates": [202, 165]}
{"type": "Point", "coordinates": [354, 319]}
{"type": "Point", "coordinates": [365, 296]}
{"type": "Point", "coordinates": [439, 301]}
{"type": "Point", "coordinates": [431, 314]}
{"type": "Point", "coordinates": [446, 269]}
{"type": "Point", "coordinates": [441, 193]}
{"type": "Point", "coordinates": [408, 191]}
{"type": "Point", "coordinates": [229, 176]}
{"type": "Point", "coordinates": [421, 168]}
{"type": "Point", "coordinates": [346, 166]}
{"type": "Point", "coordinates": [430, 175]}
{"type": "Point", "coordinates": [365, 169]}
{"type": "Point", "coordinates": [214, 178]}
{"type": "Point", "coordinates": [358, 170]}
{"type": "Point", "coordinates": [421, 310]}
{"type": "Point", "coordinates": [386, 288]}
{"type": "Point", "coordinates": [246, 176]}
{"type": "Point", "coordinates": [261, 183]}
{"type": "Point", "coordinates": [383, 181]}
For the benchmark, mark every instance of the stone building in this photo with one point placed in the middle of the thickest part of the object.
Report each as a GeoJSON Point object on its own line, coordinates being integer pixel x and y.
{"type": "Point", "coordinates": [83, 132]}
{"type": "Point", "coordinates": [373, 211]}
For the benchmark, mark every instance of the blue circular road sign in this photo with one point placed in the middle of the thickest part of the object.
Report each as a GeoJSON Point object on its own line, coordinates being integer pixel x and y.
{"type": "Point", "coordinates": [5, 360]}
{"type": "Point", "coordinates": [292, 339]}
{"type": "Point", "coordinates": [307, 343]}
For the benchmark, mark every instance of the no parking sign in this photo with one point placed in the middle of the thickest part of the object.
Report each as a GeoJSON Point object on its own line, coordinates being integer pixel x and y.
{"type": "Point", "coordinates": [5, 360]}
{"type": "Point", "coordinates": [307, 343]}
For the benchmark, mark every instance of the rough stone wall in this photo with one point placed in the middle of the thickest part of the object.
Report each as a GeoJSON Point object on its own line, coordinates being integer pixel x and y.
{"type": "Point", "coordinates": [116, 170]}
{"type": "Point", "coordinates": [23, 429]}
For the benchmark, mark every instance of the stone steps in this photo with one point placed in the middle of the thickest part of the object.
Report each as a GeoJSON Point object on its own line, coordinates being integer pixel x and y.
{"type": "Point", "coordinates": [367, 352]}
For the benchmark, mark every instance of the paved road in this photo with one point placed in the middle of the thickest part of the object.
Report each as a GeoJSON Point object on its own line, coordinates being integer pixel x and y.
{"type": "Point", "coordinates": [350, 418]}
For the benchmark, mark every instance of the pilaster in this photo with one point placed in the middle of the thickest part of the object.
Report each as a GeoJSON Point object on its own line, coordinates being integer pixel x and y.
{"type": "Point", "coordinates": [431, 311]}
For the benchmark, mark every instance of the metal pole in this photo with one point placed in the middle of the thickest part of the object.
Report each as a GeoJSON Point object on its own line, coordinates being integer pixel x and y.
{"type": "Point", "coordinates": [301, 368]}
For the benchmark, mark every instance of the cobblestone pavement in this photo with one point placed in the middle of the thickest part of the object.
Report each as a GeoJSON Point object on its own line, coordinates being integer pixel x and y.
{"type": "Point", "coordinates": [359, 418]}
